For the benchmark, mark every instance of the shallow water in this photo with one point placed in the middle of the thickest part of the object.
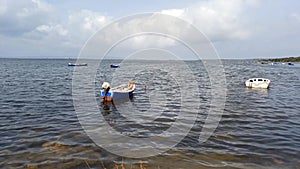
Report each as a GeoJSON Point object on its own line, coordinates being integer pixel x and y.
{"type": "Point", "coordinates": [39, 127]}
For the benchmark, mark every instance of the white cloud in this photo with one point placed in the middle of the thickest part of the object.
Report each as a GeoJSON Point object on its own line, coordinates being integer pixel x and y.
{"type": "Point", "coordinates": [34, 7]}
{"type": "Point", "coordinates": [87, 20]}
{"type": "Point", "coordinates": [42, 5]}
{"type": "Point", "coordinates": [44, 28]}
{"type": "Point", "coordinates": [82, 24]}
{"type": "Point", "coordinates": [38, 20]}
{"type": "Point", "coordinates": [146, 41]}
{"type": "Point", "coordinates": [133, 27]}
{"type": "Point", "coordinates": [174, 12]}
{"type": "Point", "coordinates": [3, 7]}
{"type": "Point", "coordinates": [39, 24]}
{"type": "Point", "coordinates": [57, 29]}
{"type": "Point", "coordinates": [295, 16]}
{"type": "Point", "coordinates": [219, 20]}
{"type": "Point", "coordinates": [77, 27]}
{"type": "Point", "coordinates": [20, 17]}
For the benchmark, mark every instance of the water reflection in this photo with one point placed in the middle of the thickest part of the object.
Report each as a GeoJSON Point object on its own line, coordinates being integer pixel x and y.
{"type": "Point", "coordinates": [258, 91]}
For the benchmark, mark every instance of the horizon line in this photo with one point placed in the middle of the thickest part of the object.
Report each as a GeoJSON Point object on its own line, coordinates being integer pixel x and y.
{"type": "Point", "coordinates": [75, 58]}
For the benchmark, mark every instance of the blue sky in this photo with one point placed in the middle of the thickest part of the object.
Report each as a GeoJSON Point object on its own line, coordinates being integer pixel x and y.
{"type": "Point", "coordinates": [239, 29]}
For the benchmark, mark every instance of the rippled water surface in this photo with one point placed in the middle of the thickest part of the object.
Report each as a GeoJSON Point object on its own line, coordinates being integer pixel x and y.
{"type": "Point", "coordinates": [259, 128]}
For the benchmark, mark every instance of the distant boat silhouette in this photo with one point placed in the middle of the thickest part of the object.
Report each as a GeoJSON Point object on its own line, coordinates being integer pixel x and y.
{"type": "Point", "coordinates": [264, 62]}
{"type": "Point", "coordinates": [114, 66]}
{"type": "Point", "coordinates": [77, 64]}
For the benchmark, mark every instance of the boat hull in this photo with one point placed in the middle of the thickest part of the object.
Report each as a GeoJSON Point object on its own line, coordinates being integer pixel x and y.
{"type": "Point", "coordinates": [116, 93]}
{"type": "Point", "coordinates": [74, 64]}
{"type": "Point", "coordinates": [114, 66]}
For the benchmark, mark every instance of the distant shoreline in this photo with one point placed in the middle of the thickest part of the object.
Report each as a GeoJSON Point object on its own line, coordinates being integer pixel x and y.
{"type": "Point", "coordinates": [289, 59]}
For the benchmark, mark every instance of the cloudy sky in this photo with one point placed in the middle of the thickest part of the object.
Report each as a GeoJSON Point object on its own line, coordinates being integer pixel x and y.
{"type": "Point", "coordinates": [237, 28]}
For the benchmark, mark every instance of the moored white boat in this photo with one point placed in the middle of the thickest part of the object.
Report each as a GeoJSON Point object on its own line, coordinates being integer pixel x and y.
{"type": "Point", "coordinates": [77, 64]}
{"type": "Point", "coordinates": [122, 91]}
{"type": "Point", "coordinates": [262, 83]}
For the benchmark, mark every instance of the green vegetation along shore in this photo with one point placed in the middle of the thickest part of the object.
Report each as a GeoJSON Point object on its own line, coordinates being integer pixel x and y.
{"type": "Point", "coordinates": [289, 59]}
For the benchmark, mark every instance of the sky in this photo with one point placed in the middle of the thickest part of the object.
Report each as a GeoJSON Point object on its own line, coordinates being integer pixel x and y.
{"type": "Point", "coordinates": [238, 29]}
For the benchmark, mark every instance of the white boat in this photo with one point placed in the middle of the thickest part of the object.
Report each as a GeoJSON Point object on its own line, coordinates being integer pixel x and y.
{"type": "Point", "coordinates": [122, 91]}
{"type": "Point", "coordinates": [258, 83]}
{"type": "Point", "coordinates": [77, 64]}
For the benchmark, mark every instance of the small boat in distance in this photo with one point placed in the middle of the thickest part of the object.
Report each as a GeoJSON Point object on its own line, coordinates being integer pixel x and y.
{"type": "Point", "coordinates": [264, 62]}
{"type": "Point", "coordinates": [114, 66]}
{"type": "Point", "coordinates": [290, 63]}
{"type": "Point", "coordinates": [122, 91]}
{"type": "Point", "coordinates": [258, 83]}
{"type": "Point", "coordinates": [274, 63]}
{"type": "Point", "coordinates": [77, 64]}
